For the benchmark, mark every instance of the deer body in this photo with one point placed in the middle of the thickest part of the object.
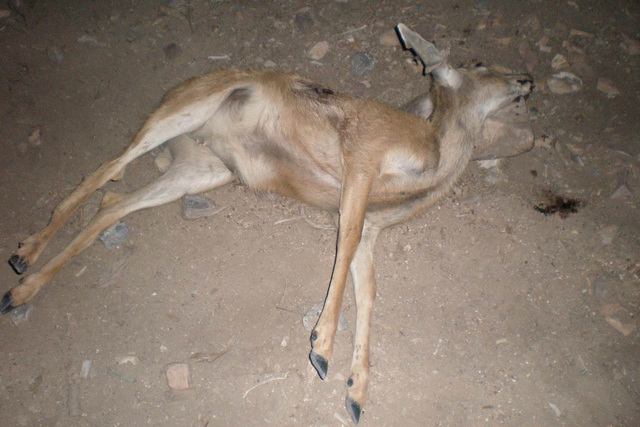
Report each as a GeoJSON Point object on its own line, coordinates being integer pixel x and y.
{"type": "Point", "coordinates": [372, 164]}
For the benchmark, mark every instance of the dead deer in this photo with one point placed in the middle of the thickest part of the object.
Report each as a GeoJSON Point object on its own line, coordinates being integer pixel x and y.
{"type": "Point", "coordinates": [372, 164]}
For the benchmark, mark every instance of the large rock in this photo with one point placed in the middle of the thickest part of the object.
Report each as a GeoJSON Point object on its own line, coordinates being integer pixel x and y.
{"type": "Point", "coordinates": [506, 134]}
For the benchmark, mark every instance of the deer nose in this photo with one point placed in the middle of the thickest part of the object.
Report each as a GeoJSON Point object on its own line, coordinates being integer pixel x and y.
{"type": "Point", "coordinates": [526, 83]}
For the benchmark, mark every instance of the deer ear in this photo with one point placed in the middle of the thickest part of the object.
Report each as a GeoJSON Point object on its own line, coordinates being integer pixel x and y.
{"type": "Point", "coordinates": [434, 60]}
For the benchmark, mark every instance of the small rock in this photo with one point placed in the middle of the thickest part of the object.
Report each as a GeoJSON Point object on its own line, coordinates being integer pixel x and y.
{"type": "Point", "coordinates": [132, 36]}
{"type": "Point", "coordinates": [319, 50]}
{"type": "Point", "coordinates": [623, 192]}
{"type": "Point", "coordinates": [196, 207]}
{"type": "Point", "coordinates": [608, 234]}
{"type": "Point", "coordinates": [85, 369]}
{"type": "Point", "coordinates": [529, 56]}
{"type": "Point", "coordinates": [362, 63]}
{"type": "Point", "coordinates": [606, 86]}
{"type": "Point", "coordinates": [114, 15]}
{"type": "Point", "coordinates": [4, 13]}
{"type": "Point", "coordinates": [600, 286]}
{"type": "Point", "coordinates": [269, 64]}
{"type": "Point", "coordinates": [115, 236]}
{"type": "Point", "coordinates": [304, 20]}
{"type": "Point", "coordinates": [279, 25]}
{"type": "Point", "coordinates": [555, 409]}
{"type": "Point", "coordinates": [563, 83]}
{"type": "Point", "coordinates": [543, 44]}
{"type": "Point", "coordinates": [579, 64]}
{"type": "Point", "coordinates": [630, 45]}
{"type": "Point", "coordinates": [389, 38]}
{"type": "Point", "coordinates": [559, 62]}
{"type": "Point", "coordinates": [35, 139]}
{"type": "Point", "coordinates": [122, 360]}
{"type": "Point", "coordinates": [126, 372]}
{"type": "Point", "coordinates": [20, 314]}
{"type": "Point", "coordinates": [506, 133]}
{"type": "Point", "coordinates": [91, 41]}
{"type": "Point", "coordinates": [178, 376]}
{"type": "Point", "coordinates": [312, 315]}
{"type": "Point", "coordinates": [172, 51]}
{"type": "Point", "coordinates": [55, 55]}
{"type": "Point", "coordinates": [73, 400]}
{"type": "Point", "coordinates": [163, 160]}
{"type": "Point", "coordinates": [625, 329]}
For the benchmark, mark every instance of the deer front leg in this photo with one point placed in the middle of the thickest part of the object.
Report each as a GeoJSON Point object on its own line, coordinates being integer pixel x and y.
{"type": "Point", "coordinates": [364, 286]}
{"type": "Point", "coordinates": [353, 204]}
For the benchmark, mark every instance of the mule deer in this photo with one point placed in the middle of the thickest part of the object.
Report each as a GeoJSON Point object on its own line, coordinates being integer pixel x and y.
{"type": "Point", "coordinates": [373, 164]}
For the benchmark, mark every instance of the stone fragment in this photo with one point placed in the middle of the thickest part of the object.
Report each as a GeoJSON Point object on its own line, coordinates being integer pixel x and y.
{"type": "Point", "coordinates": [55, 55]}
{"type": "Point", "coordinates": [172, 51]}
{"type": "Point", "coordinates": [630, 45]}
{"type": "Point", "coordinates": [312, 315]}
{"type": "Point", "coordinates": [304, 20]}
{"type": "Point", "coordinates": [506, 133]}
{"type": "Point", "coordinates": [20, 314]}
{"type": "Point", "coordinates": [563, 83]}
{"type": "Point", "coordinates": [559, 62]}
{"type": "Point", "coordinates": [607, 87]}
{"type": "Point", "coordinates": [195, 207]}
{"type": "Point", "coordinates": [178, 376]}
{"type": "Point", "coordinates": [319, 50]}
{"type": "Point", "coordinates": [362, 63]}
{"type": "Point", "coordinates": [389, 38]}
{"type": "Point", "coordinates": [529, 56]}
{"type": "Point", "coordinates": [115, 236]}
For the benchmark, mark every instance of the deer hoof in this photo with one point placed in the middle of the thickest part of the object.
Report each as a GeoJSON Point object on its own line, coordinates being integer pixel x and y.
{"type": "Point", "coordinates": [320, 363]}
{"type": "Point", "coordinates": [6, 305]}
{"type": "Point", "coordinates": [354, 409]}
{"type": "Point", "coordinates": [18, 263]}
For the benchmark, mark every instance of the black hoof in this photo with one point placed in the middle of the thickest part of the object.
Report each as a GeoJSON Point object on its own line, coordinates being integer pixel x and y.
{"type": "Point", "coordinates": [18, 263]}
{"type": "Point", "coordinates": [6, 305]}
{"type": "Point", "coordinates": [320, 363]}
{"type": "Point", "coordinates": [354, 409]}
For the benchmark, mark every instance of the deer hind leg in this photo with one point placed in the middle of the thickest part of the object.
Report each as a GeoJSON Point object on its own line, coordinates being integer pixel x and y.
{"type": "Point", "coordinates": [194, 170]}
{"type": "Point", "coordinates": [169, 121]}
{"type": "Point", "coordinates": [364, 286]}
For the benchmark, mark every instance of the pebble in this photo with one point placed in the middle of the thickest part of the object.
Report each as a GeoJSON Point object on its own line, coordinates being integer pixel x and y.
{"type": "Point", "coordinates": [20, 314]}
{"type": "Point", "coordinates": [178, 376]}
{"type": "Point", "coordinates": [362, 63]}
{"type": "Point", "coordinates": [304, 20]}
{"type": "Point", "coordinates": [35, 138]}
{"type": "Point", "coordinates": [563, 83]}
{"type": "Point", "coordinates": [91, 40]}
{"type": "Point", "coordinates": [630, 45]}
{"type": "Point", "coordinates": [622, 192]}
{"type": "Point", "coordinates": [312, 315]}
{"type": "Point", "coordinates": [172, 51]}
{"type": "Point", "coordinates": [600, 286]}
{"type": "Point", "coordinates": [55, 55]}
{"type": "Point", "coordinates": [606, 86]}
{"type": "Point", "coordinates": [319, 50]}
{"type": "Point", "coordinates": [115, 235]}
{"type": "Point", "coordinates": [529, 56]}
{"type": "Point", "coordinates": [269, 64]}
{"type": "Point", "coordinates": [559, 62]}
{"type": "Point", "coordinates": [196, 207]}
{"type": "Point", "coordinates": [85, 369]}
{"type": "Point", "coordinates": [389, 38]}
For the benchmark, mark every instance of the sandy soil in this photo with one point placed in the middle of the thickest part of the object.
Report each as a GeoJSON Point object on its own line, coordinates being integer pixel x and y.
{"type": "Point", "coordinates": [488, 312]}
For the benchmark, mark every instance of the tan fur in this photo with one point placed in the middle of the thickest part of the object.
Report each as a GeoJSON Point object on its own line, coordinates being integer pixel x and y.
{"type": "Point", "coordinates": [281, 133]}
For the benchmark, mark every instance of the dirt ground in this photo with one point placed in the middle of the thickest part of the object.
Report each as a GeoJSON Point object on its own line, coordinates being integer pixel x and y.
{"type": "Point", "coordinates": [488, 312]}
